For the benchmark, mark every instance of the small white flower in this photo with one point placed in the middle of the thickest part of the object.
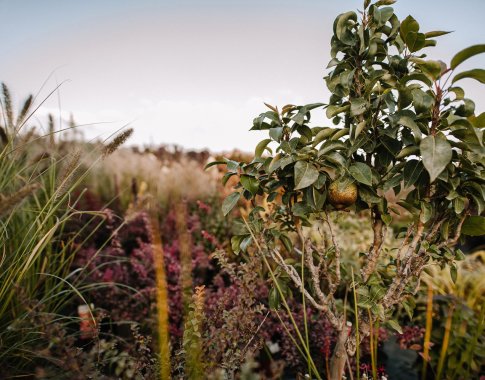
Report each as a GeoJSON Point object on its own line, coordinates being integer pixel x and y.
{"type": "Point", "coordinates": [273, 347]}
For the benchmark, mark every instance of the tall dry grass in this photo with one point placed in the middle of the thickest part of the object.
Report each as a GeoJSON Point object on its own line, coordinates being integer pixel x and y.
{"type": "Point", "coordinates": [184, 179]}
{"type": "Point", "coordinates": [37, 177]}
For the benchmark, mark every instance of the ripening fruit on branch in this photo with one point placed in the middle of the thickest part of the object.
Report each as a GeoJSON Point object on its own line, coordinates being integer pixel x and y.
{"type": "Point", "coordinates": [342, 193]}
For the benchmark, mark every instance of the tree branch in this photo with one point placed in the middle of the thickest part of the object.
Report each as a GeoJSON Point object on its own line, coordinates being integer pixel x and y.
{"type": "Point", "coordinates": [375, 250]}
{"type": "Point", "coordinates": [334, 285]}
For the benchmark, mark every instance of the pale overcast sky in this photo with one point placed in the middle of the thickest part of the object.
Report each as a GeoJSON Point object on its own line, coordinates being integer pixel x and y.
{"type": "Point", "coordinates": [194, 73]}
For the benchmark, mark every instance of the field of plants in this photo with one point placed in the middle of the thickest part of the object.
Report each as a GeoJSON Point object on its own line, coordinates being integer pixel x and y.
{"type": "Point", "coordinates": [350, 250]}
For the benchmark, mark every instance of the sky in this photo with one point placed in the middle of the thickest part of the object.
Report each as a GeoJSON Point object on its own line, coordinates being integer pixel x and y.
{"type": "Point", "coordinates": [192, 73]}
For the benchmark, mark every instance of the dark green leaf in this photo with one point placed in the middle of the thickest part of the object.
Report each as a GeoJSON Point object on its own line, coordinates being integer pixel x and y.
{"type": "Point", "coordinates": [409, 24]}
{"type": "Point", "coordinates": [412, 170]}
{"type": "Point", "coordinates": [305, 174]}
{"type": "Point", "coordinates": [407, 121]}
{"type": "Point", "coordinates": [301, 209]}
{"type": "Point", "coordinates": [287, 242]}
{"type": "Point", "coordinates": [422, 101]}
{"type": "Point", "coordinates": [250, 183]}
{"type": "Point", "coordinates": [431, 68]}
{"type": "Point", "coordinates": [474, 226]}
{"type": "Point", "coordinates": [362, 173]}
{"type": "Point", "coordinates": [342, 31]}
{"type": "Point", "coordinates": [415, 41]}
{"type": "Point", "coordinates": [213, 163]}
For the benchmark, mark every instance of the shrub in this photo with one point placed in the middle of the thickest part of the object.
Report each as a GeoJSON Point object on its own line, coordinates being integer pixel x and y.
{"type": "Point", "coordinates": [401, 123]}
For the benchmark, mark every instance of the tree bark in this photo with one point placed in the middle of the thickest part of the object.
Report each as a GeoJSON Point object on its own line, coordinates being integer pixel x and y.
{"type": "Point", "coordinates": [339, 357]}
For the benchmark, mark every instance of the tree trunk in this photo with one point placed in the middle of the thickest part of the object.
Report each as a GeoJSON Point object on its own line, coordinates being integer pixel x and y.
{"type": "Point", "coordinates": [339, 357]}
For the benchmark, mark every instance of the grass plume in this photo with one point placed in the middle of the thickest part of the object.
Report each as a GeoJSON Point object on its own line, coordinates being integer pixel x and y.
{"type": "Point", "coordinates": [8, 203]}
{"type": "Point", "coordinates": [119, 140]}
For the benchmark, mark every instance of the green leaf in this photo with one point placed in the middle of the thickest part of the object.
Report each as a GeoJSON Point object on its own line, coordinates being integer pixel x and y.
{"type": "Point", "coordinates": [250, 183]}
{"type": "Point", "coordinates": [422, 101]}
{"type": "Point", "coordinates": [415, 41]}
{"type": "Point", "coordinates": [330, 146]}
{"type": "Point", "coordinates": [409, 24]}
{"type": "Point", "coordinates": [411, 172]}
{"type": "Point", "coordinates": [287, 242]}
{"type": "Point", "coordinates": [474, 226]}
{"type": "Point", "coordinates": [426, 212]}
{"type": "Point", "coordinates": [407, 121]}
{"type": "Point", "coordinates": [431, 68]}
{"type": "Point", "coordinates": [301, 209]}
{"type": "Point", "coordinates": [260, 148]}
{"type": "Point", "coordinates": [276, 133]}
{"type": "Point", "coordinates": [213, 163]}
{"type": "Point", "coordinates": [435, 33]}
{"type": "Point", "coordinates": [384, 2]}
{"type": "Point", "coordinates": [458, 91]}
{"type": "Point", "coordinates": [360, 127]}
{"type": "Point", "coordinates": [232, 166]}
{"type": "Point", "coordinates": [436, 153]}
{"type": "Point", "coordinates": [305, 174]}
{"type": "Point", "coordinates": [479, 121]}
{"type": "Point", "coordinates": [274, 299]}
{"type": "Point", "coordinates": [453, 273]}
{"type": "Point", "coordinates": [245, 243]}
{"type": "Point", "coordinates": [459, 204]}
{"type": "Point", "coordinates": [357, 106]}
{"type": "Point", "coordinates": [408, 151]}
{"type": "Point", "coordinates": [230, 202]}
{"type": "Point", "coordinates": [386, 218]}
{"type": "Point", "coordinates": [409, 305]}
{"type": "Point", "coordinates": [275, 163]}
{"type": "Point", "coordinates": [459, 255]}
{"type": "Point", "coordinates": [394, 325]}
{"type": "Point", "coordinates": [477, 74]}
{"type": "Point", "coordinates": [464, 54]}
{"type": "Point", "coordinates": [235, 242]}
{"type": "Point", "coordinates": [368, 195]}
{"type": "Point", "coordinates": [362, 173]}
{"type": "Point", "coordinates": [342, 31]}
{"type": "Point", "coordinates": [324, 134]}
{"type": "Point", "coordinates": [335, 110]}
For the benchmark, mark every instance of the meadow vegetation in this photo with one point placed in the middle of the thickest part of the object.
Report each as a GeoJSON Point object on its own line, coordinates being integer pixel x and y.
{"type": "Point", "coordinates": [336, 251]}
